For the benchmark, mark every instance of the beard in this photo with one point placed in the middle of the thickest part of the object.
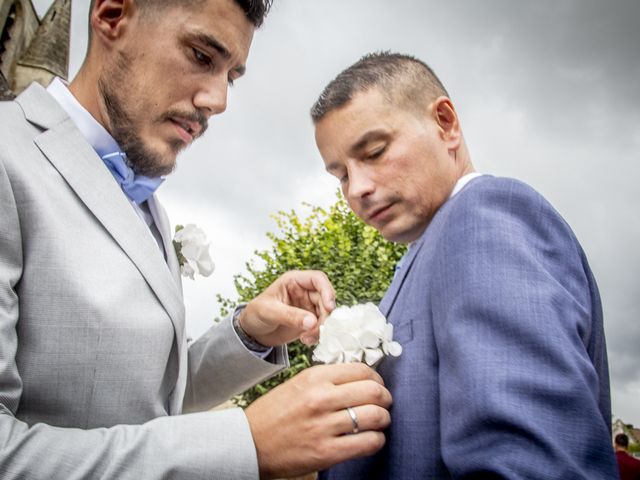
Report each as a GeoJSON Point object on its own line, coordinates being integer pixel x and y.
{"type": "Point", "coordinates": [142, 159]}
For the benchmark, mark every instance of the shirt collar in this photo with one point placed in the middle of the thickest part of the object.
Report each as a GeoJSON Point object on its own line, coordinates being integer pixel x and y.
{"type": "Point", "coordinates": [97, 136]}
{"type": "Point", "coordinates": [462, 182]}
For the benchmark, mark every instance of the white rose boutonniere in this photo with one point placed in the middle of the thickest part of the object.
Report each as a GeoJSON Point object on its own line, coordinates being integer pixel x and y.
{"type": "Point", "coordinates": [354, 334]}
{"type": "Point", "coordinates": [192, 248]}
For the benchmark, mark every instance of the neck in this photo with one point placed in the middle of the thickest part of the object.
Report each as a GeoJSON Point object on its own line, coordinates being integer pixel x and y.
{"type": "Point", "coordinates": [85, 88]}
{"type": "Point", "coordinates": [463, 161]}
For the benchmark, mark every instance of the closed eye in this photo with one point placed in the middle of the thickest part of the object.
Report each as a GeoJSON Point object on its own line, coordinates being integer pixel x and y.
{"type": "Point", "coordinates": [372, 155]}
{"type": "Point", "coordinates": [202, 58]}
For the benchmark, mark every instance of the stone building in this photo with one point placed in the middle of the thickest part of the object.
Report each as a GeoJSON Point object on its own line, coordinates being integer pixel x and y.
{"type": "Point", "coordinates": [32, 49]}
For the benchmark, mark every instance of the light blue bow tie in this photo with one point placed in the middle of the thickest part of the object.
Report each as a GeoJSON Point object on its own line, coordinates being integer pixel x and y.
{"type": "Point", "coordinates": [137, 188]}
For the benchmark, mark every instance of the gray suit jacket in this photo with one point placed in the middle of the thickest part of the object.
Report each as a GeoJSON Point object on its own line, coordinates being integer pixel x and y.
{"type": "Point", "coordinates": [504, 370]}
{"type": "Point", "coordinates": [94, 363]}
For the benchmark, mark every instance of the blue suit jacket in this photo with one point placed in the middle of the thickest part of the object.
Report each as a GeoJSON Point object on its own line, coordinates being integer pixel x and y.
{"type": "Point", "coordinates": [504, 371]}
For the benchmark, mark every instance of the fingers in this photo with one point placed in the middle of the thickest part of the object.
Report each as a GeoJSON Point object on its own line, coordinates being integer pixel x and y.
{"type": "Point", "coordinates": [315, 281]}
{"type": "Point", "coordinates": [359, 445]}
{"type": "Point", "coordinates": [272, 322]}
{"type": "Point", "coordinates": [297, 319]}
{"type": "Point", "coordinates": [303, 424]}
{"type": "Point", "coordinates": [312, 336]}
{"type": "Point", "coordinates": [336, 387]}
{"type": "Point", "coordinates": [367, 417]}
{"type": "Point", "coordinates": [362, 392]}
{"type": "Point", "coordinates": [291, 307]}
{"type": "Point", "coordinates": [343, 373]}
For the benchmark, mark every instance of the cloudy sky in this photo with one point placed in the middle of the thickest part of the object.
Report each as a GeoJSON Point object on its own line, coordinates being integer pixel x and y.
{"type": "Point", "coordinates": [547, 92]}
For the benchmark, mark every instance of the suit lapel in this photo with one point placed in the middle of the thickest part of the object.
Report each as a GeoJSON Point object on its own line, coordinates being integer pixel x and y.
{"type": "Point", "coordinates": [390, 297]}
{"type": "Point", "coordinates": [67, 150]}
{"type": "Point", "coordinates": [164, 227]}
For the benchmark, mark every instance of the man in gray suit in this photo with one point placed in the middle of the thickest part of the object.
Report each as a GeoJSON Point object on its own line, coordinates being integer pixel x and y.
{"type": "Point", "coordinates": [95, 369]}
{"type": "Point", "coordinates": [504, 368]}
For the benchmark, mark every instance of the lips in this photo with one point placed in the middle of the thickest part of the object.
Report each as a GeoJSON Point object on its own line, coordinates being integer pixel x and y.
{"type": "Point", "coordinates": [378, 213]}
{"type": "Point", "coordinates": [187, 130]}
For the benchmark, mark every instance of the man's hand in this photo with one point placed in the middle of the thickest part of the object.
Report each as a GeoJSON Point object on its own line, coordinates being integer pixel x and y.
{"type": "Point", "coordinates": [293, 306]}
{"type": "Point", "coordinates": [303, 425]}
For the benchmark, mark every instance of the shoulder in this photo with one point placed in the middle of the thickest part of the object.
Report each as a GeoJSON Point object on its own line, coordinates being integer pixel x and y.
{"type": "Point", "coordinates": [505, 205]}
{"type": "Point", "coordinates": [493, 191]}
{"type": "Point", "coordinates": [502, 223]}
{"type": "Point", "coordinates": [497, 218]}
{"type": "Point", "coordinates": [13, 121]}
{"type": "Point", "coordinates": [11, 111]}
{"type": "Point", "coordinates": [11, 116]}
{"type": "Point", "coordinates": [17, 135]}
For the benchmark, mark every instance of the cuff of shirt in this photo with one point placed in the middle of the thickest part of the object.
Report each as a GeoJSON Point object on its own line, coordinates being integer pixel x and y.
{"type": "Point", "coordinates": [255, 347]}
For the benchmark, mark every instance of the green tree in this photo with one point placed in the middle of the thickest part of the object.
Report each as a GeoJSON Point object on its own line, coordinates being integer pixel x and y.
{"type": "Point", "coordinates": [357, 260]}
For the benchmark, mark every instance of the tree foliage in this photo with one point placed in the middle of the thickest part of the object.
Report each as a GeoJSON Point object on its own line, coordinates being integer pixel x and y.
{"type": "Point", "coordinates": [357, 260]}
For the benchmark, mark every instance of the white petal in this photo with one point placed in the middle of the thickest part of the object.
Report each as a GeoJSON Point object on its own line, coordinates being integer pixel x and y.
{"type": "Point", "coordinates": [388, 332]}
{"type": "Point", "coordinates": [322, 354]}
{"type": "Point", "coordinates": [392, 348]}
{"type": "Point", "coordinates": [205, 264]}
{"type": "Point", "coordinates": [333, 345]}
{"type": "Point", "coordinates": [347, 341]}
{"type": "Point", "coordinates": [189, 250]}
{"type": "Point", "coordinates": [187, 271]}
{"type": "Point", "coordinates": [369, 340]}
{"type": "Point", "coordinates": [353, 356]}
{"type": "Point", "coordinates": [372, 355]}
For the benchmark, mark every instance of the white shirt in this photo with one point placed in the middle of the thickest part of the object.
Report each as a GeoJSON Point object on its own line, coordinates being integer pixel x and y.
{"type": "Point", "coordinates": [462, 182]}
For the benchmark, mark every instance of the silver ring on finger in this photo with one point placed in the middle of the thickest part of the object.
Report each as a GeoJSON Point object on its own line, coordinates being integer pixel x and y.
{"type": "Point", "coordinates": [354, 419]}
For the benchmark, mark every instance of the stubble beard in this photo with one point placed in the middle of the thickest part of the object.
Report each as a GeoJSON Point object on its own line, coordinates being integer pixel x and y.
{"type": "Point", "coordinates": [141, 159]}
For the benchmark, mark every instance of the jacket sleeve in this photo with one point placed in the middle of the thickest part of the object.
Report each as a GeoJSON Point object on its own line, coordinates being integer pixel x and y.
{"type": "Point", "coordinates": [208, 384]}
{"type": "Point", "coordinates": [198, 446]}
{"type": "Point", "coordinates": [513, 314]}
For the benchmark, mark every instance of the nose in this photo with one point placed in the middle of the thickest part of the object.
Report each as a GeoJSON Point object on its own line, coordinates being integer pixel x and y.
{"type": "Point", "coordinates": [212, 95]}
{"type": "Point", "coordinates": [360, 184]}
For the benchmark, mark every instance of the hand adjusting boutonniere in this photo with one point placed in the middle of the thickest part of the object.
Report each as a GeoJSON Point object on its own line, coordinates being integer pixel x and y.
{"type": "Point", "coordinates": [354, 334]}
{"type": "Point", "coordinates": [192, 249]}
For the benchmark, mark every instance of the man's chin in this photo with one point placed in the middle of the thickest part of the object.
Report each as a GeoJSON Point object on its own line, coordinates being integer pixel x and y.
{"type": "Point", "coordinates": [401, 235]}
{"type": "Point", "coordinates": [153, 164]}
{"type": "Point", "coordinates": [167, 167]}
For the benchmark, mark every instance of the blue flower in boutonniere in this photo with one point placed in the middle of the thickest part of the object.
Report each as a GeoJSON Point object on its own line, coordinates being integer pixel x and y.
{"type": "Point", "coordinates": [192, 249]}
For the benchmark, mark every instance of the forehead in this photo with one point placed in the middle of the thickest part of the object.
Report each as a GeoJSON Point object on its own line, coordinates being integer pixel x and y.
{"type": "Point", "coordinates": [366, 111]}
{"type": "Point", "coordinates": [363, 107]}
{"type": "Point", "coordinates": [224, 20]}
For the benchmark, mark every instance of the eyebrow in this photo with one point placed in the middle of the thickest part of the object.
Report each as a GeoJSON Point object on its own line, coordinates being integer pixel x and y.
{"type": "Point", "coordinates": [362, 142]}
{"type": "Point", "coordinates": [213, 43]}
{"type": "Point", "coordinates": [367, 137]}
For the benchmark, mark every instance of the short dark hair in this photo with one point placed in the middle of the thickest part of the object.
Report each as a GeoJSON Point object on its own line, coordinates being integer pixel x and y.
{"type": "Point", "coordinates": [622, 440]}
{"type": "Point", "coordinates": [399, 77]}
{"type": "Point", "coordinates": [255, 10]}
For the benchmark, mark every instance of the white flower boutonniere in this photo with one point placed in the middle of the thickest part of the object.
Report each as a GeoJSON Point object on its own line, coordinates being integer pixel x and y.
{"type": "Point", "coordinates": [351, 334]}
{"type": "Point", "coordinates": [192, 248]}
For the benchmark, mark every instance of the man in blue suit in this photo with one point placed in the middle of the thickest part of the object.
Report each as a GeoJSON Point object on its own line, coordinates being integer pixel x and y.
{"type": "Point", "coordinates": [504, 370]}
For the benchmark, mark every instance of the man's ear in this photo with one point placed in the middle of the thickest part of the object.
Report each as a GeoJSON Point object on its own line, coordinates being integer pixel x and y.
{"type": "Point", "coordinates": [110, 17]}
{"type": "Point", "coordinates": [445, 115]}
